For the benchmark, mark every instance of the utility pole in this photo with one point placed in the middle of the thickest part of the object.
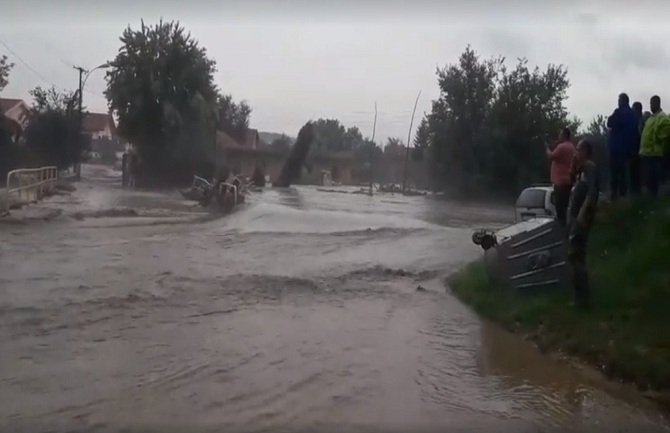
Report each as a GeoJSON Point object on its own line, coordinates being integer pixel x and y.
{"type": "Point", "coordinates": [77, 167]}
{"type": "Point", "coordinates": [409, 134]}
{"type": "Point", "coordinates": [373, 148]}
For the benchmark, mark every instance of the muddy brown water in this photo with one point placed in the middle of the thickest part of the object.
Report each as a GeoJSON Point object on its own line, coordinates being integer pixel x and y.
{"type": "Point", "coordinates": [289, 314]}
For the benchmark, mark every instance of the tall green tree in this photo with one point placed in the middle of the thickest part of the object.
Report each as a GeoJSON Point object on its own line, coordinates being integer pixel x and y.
{"type": "Point", "coordinates": [421, 140]}
{"type": "Point", "coordinates": [232, 117]}
{"type": "Point", "coordinates": [53, 132]}
{"type": "Point", "coordinates": [528, 106]}
{"type": "Point", "coordinates": [332, 136]}
{"type": "Point", "coordinates": [161, 87]}
{"type": "Point", "coordinates": [597, 129]}
{"type": "Point", "coordinates": [489, 126]}
{"type": "Point", "coordinates": [458, 121]}
{"type": "Point", "coordinates": [8, 149]}
{"type": "Point", "coordinates": [281, 143]}
{"type": "Point", "coordinates": [5, 68]}
{"type": "Point", "coordinates": [422, 135]}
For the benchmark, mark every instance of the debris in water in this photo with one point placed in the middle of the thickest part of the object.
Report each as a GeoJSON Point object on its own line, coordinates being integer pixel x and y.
{"type": "Point", "coordinates": [396, 272]}
{"type": "Point", "coordinates": [420, 288]}
{"type": "Point", "coordinates": [116, 212]}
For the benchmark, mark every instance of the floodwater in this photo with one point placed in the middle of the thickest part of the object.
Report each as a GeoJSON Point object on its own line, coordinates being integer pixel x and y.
{"type": "Point", "coordinates": [298, 311]}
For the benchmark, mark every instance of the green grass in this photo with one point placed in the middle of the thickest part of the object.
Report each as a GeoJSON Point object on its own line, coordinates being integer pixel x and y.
{"type": "Point", "coordinates": [627, 333]}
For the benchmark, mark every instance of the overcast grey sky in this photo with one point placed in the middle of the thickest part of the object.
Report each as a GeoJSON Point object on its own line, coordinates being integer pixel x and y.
{"type": "Point", "coordinates": [299, 60]}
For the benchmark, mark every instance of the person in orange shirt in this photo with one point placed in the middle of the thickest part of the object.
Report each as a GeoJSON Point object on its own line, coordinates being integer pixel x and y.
{"type": "Point", "coordinates": [561, 155]}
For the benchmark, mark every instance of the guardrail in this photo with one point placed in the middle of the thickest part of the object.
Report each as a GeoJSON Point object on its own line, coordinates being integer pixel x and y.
{"type": "Point", "coordinates": [30, 183]}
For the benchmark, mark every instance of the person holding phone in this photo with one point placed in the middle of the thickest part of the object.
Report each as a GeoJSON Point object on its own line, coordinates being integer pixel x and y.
{"type": "Point", "coordinates": [561, 156]}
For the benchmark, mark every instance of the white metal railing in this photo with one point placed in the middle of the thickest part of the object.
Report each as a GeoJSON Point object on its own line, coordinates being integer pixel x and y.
{"type": "Point", "coordinates": [30, 183]}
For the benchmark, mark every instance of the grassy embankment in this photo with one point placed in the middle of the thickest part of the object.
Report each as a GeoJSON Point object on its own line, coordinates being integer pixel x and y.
{"type": "Point", "coordinates": [627, 333]}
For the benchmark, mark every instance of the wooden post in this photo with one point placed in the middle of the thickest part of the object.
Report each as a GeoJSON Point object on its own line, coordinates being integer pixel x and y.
{"type": "Point", "coordinates": [409, 134]}
{"type": "Point", "coordinates": [372, 148]}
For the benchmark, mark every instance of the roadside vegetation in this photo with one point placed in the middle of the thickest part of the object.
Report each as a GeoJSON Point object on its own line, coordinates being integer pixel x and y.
{"type": "Point", "coordinates": [626, 335]}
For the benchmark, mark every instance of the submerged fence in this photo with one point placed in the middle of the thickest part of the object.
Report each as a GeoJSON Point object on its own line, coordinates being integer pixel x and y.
{"type": "Point", "coordinates": [30, 184]}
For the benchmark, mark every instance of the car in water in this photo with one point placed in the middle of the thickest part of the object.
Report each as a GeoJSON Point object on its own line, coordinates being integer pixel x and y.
{"type": "Point", "coordinates": [535, 202]}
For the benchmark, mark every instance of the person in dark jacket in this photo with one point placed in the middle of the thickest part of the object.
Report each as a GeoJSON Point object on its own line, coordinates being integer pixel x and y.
{"type": "Point", "coordinates": [622, 141]}
{"type": "Point", "coordinates": [634, 165]}
{"type": "Point", "coordinates": [124, 169]}
{"type": "Point", "coordinates": [581, 213]}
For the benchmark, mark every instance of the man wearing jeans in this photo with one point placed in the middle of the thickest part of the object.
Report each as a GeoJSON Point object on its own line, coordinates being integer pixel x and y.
{"type": "Point", "coordinates": [655, 141]}
{"type": "Point", "coordinates": [560, 157]}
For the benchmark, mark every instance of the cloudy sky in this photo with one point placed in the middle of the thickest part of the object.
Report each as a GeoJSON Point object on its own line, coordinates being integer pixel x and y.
{"type": "Point", "coordinates": [299, 60]}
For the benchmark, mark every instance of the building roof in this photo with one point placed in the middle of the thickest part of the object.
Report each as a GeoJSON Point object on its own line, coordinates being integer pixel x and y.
{"type": "Point", "coordinates": [16, 110]}
{"type": "Point", "coordinates": [96, 122]}
{"type": "Point", "coordinates": [225, 141]}
{"type": "Point", "coordinates": [7, 104]}
{"type": "Point", "coordinates": [251, 138]}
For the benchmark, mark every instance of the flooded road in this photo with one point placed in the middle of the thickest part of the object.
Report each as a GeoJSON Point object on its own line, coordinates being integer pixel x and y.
{"type": "Point", "coordinates": [298, 311]}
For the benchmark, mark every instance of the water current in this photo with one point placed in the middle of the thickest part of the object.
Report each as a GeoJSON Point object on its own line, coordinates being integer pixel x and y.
{"type": "Point", "coordinates": [298, 311]}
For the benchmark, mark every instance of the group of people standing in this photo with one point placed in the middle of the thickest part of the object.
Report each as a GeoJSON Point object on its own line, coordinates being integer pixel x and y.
{"type": "Point", "coordinates": [639, 146]}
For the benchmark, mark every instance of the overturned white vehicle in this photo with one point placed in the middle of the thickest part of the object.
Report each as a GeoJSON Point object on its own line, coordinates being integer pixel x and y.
{"type": "Point", "coordinates": [528, 255]}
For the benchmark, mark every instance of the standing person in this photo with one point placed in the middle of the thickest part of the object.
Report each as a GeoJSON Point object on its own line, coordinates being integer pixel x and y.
{"type": "Point", "coordinates": [634, 166]}
{"type": "Point", "coordinates": [132, 169]}
{"type": "Point", "coordinates": [655, 141]}
{"type": "Point", "coordinates": [561, 156]}
{"type": "Point", "coordinates": [583, 204]}
{"type": "Point", "coordinates": [124, 169]}
{"type": "Point", "coordinates": [621, 142]}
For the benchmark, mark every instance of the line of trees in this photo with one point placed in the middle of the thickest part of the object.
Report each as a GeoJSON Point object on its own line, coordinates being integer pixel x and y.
{"type": "Point", "coordinates": [485, 131]}
{"type": "Point", "coordinates": [488, 128]}
{"type": "Point", "coordinates": [52, 135]}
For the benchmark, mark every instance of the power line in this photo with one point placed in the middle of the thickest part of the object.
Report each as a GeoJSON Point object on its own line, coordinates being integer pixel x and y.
{"type": "Point", "coordinates": [30, 68]}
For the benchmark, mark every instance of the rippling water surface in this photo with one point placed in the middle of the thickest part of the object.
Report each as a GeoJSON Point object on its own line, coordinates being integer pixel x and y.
{"type": "Point", "coordinates": [298, 311]}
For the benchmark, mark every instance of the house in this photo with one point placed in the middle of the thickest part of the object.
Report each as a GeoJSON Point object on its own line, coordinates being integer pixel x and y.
{"type": "Point", "coordinates": [242, 157]}
{"type": "Point", "coordinates": [102, 130]}
{"type": "Point", "coordinates": [15, 114]}
{"type": "Point", "coordinates": [251, 139]}
{"type": "Point", "coordinates": [99, 126]}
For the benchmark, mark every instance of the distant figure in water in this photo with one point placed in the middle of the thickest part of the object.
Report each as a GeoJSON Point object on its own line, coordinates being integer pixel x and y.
{"type": "Point", "coordinates": [582, 210]}
{"type": "Point", "coordinates": [133, 167]}
{"type": "Point", "coordinates": [124, 169]}
{"type": "Point", "coordinates": [560, 156]}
